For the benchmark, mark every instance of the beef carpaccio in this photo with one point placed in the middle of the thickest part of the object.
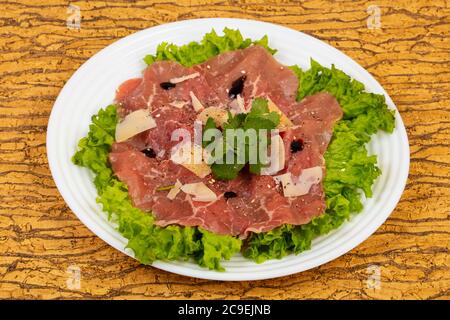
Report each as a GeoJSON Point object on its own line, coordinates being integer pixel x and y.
{"type": "Point", "coordinates": [249, 203]}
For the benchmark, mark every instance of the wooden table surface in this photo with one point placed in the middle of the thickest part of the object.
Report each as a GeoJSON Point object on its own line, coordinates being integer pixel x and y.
{"type": "Point", "coordinates": [42, 243]}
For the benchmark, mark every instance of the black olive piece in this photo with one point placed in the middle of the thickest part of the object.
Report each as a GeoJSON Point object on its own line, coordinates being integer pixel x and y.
{"type": "Point", "coordinates": [237, 86]}
{"type": "Point", "coordinates": [297, 145]}
{"type": "Point", "coordinates": [149, 152]}
{"type": "Point", "coordinates": [167, 85]}
{"type": "Point", "coordinates": [230, 194]}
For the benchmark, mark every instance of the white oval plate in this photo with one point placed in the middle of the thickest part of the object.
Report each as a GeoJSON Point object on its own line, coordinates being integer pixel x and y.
{"type": "Point", "coordinates": [93, 87]}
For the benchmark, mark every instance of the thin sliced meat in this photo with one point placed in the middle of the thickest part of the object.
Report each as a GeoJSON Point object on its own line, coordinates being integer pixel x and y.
{"type": "Point", "coordinates": [144, 176]}
{"type": "Point", "coordinates": [149, 93]}
{"type": "Point", "coordinates": [126, 89]}
{"type": "Point", "coordinates": [313, 118]}
{"type": "Point", "coordinates": [258, 203]}
{"type": "Point", "coordinates": [264, 76]}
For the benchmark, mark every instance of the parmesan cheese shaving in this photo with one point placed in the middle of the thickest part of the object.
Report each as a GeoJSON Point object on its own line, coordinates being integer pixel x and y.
{"type": "Point", "coordinates": [237, 105]}
{"type": "Point", "coordinates": [284, 120]}
{"type": "Point", "coordinates": [220, 116]}
{"type": "Point", "coordinates": [134, 123]}
{"type": "Point", "coordinates": [305, 181]}
{"type": "Point", "coordinates": [240, 102]}
{"type": "Point", "coordinates": [184, 78]}
{"type": "Point", "coordinates": [277, 156]}
{"type": "Point", "coordinates": [175, 190]}
{"type": "Point", "coordinates": [178, 104]}
{"type": "Point", "coordinates": [200, 192]}
{"type": "Point", "coordinates": [195, 102]}
{"type": "Point", "coordinates": [192, 158]}
{"type": "Point", "coordinates": [201, 170]}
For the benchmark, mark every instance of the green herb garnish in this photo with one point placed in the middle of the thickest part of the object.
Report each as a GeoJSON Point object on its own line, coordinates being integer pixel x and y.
{"type": "Point", "coordinates": [243, 124]}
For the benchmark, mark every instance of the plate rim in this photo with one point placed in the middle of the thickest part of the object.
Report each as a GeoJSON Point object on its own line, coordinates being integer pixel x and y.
{"type": "Point", "coordinates": [204, 273]}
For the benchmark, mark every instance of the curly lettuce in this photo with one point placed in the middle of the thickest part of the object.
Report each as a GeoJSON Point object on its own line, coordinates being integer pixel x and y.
{"type": "Point", "coordinates": [211, 45]}
{"type": "Point", "coordinates": [350, 170]}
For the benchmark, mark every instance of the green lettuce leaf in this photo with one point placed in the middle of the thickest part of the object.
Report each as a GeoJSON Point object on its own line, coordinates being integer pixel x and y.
{"type": "Point", "coordinates": [215, 248]}
{"type": "Point", "coordinates": [211, 45]}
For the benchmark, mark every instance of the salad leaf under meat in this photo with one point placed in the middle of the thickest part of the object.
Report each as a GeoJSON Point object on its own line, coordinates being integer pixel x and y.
{"type": "Point", "coordinates": [211, 45]}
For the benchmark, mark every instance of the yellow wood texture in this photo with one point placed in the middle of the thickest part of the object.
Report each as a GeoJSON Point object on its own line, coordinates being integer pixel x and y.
{"type": "Point", "coordinates": [41, 239]}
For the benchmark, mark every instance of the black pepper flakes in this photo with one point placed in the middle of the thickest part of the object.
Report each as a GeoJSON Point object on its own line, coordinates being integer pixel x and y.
{"type": "Point", "coordinates": [149, 152]}
{"type": "Point", "coordinates": [167, 85]}
{"type": "Point", "coordinates": [297, 145]}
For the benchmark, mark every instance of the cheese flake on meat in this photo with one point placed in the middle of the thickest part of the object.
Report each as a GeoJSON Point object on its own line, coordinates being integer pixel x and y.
{"type": "Point", "coordinates": [178, 104]}
{"type": "Point", "coordinates": [240, 102]}
{"type": "Point", "coordinates": [192, 158]}
{"type": "Point", "coordinates": [220, 116]}
{"type": "Point", "coordinates": [175, 190]}
{"type": "Point", "coordinates": [134, 123]}
{"type": "Point", "coordinates": [200, 192]}
{"type": "Point", "coordinates": [195, 102]}
{"type": "Point", "coordinates": [237, 105]}
{"type": "Point", "coordinates": [284, 120]}
{"type": "Point", "coordinates": [277, 156]}
{"type": "Point", "coordinates": [303, 183]}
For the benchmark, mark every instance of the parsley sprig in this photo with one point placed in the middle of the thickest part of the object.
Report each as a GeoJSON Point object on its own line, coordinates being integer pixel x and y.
{"type": "Point", "coordinates": [259, 118]}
